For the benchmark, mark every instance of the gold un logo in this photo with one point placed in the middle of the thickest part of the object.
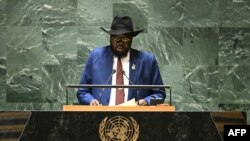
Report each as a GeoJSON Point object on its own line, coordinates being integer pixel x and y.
{"type": "Point", "coordinates": [118, 128]}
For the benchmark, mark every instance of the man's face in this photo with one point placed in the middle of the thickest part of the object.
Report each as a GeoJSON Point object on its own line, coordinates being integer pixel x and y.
{"type": "Point", "coordinates": [120, 44]}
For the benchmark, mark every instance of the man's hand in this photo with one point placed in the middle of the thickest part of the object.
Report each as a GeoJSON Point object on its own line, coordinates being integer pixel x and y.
{"type": "Point", "coordinates": [94, 102]}
{"type": "Point", "coordinates": [142, 102]}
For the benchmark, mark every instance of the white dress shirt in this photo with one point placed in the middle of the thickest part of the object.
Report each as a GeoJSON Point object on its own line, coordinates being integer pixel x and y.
{"type": "Point", "coordinates": [125, 66]}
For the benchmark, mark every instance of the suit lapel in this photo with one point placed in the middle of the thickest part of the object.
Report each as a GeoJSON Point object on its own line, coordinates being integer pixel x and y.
{"type": "Point", "coordinates": [133, 70]}
{"type": "Point", "coordinates": [108, 67]}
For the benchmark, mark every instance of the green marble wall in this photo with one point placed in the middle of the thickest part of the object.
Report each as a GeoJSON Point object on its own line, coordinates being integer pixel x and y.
{"type": "Point", "coordinates": [203, 48]}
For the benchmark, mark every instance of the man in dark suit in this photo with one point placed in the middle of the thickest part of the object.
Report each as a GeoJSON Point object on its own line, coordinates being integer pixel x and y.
{"type": "Point", "coordinates": [119, 64]}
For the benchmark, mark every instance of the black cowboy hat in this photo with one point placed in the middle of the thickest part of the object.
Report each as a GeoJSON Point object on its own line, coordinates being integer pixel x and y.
{"type": "Point", "coordinates": [122, 25]}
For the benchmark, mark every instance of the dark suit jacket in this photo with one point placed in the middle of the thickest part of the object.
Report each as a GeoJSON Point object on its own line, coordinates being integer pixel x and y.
{"type": "Point", "coordinates": [143, 70]}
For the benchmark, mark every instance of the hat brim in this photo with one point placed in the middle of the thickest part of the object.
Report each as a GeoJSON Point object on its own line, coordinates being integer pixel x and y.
{"type": "Point", "coordinates": [122, 32]}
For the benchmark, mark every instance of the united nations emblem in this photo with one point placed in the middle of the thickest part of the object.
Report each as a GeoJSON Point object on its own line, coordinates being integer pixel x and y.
{"type": "Point", "coordinates": [118, 128]}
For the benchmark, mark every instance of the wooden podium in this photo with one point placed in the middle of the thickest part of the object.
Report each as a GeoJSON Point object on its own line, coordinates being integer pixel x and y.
{"type": "Point", "coordinates": [159, 108]}
{"type": "Point", "coordinates": [96, 123]}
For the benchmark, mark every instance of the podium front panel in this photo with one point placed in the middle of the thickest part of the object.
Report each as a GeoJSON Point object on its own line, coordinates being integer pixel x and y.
{"type": "Point", "coordinates": [141, 126]}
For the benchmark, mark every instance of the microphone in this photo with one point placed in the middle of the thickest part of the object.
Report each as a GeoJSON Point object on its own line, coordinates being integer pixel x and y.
{"type": "Point", "coordinates": [124, 73]}
{"type": "Point", "coordinates": [113, 72]}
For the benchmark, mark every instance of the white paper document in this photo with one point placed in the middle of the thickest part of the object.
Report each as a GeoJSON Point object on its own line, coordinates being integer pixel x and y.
{"type": "Point", "coordinates": [129, 103]}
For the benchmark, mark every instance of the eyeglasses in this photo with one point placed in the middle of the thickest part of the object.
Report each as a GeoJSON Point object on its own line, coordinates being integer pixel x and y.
{"type": "Point", "coordinates": [123, 39]}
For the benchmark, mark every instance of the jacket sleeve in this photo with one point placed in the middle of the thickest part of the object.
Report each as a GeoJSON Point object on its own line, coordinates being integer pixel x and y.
{"type": "Point", "coordinates": [156, 80]}
{"type": "Point", "coordinates": [84, 95]}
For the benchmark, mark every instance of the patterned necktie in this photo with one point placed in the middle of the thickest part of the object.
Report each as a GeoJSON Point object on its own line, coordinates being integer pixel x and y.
{"type": "Point", "coordinates": [119, 81]}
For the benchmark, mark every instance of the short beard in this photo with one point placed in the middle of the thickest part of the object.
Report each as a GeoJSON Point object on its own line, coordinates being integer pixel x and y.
{"type": "Point", "coordinates": [120, 54]}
